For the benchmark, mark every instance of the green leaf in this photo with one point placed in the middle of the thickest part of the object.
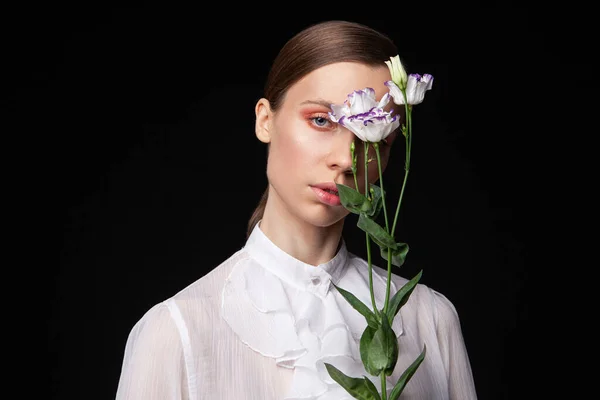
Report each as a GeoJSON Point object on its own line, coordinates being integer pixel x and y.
{"type": "Point", "coordinates": [359, 306]}
{"type": "Point", "coordinates": [365, 343]}
{"type": "Point", "coordinates": [398, 255]}
{"type": "Point", "coordinates": [392, 345]}
{"type": "Point", "coordinates": [376, 231]}
{"type": "Point", "coordinates": [376, 202]}
{"type": "Point", "coordinates": [351, 199]}
{"type": "Point", "coordinates": [406, 375]}
{"type": "Point", "coordinates": [372, 388]}
{"type": "Point", "coordinates": [402, 296]}
{"type": "Point", "coordinates": [383, 350]}
{"type": "Point", "coordinates": [366, 206]}
{"type": "Point", "coordinates": [357, 387]}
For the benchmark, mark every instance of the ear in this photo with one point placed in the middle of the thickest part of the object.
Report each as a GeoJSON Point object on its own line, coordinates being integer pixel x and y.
{"type": "Point", "coordinates": [263, 120]}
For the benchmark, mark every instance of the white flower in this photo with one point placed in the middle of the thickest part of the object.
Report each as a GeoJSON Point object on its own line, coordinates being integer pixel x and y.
{"type": "Point", "coordinates": [397, 71]}
{"type": "Point", "coordinates": [363, 115]}
{"type": "Point", "coordinates": [416, 87]}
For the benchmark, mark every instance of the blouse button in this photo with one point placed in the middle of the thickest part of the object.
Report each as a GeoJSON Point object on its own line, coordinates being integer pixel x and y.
{"type": "Point", "coordinates": [316, 280]}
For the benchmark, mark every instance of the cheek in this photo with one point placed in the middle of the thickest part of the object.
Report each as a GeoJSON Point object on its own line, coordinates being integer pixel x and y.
{"type": "Point", "coordinates": [287, 159]}
{"type": "Point", "coordinates": [294, 143]}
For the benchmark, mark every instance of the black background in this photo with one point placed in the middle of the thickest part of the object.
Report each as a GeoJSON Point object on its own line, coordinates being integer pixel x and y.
{"type": "Point", "coordinates": [143, 125]}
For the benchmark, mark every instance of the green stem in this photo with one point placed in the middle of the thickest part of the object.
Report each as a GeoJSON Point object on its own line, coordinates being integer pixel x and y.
{"type": "Point", "coordinates": [407, 162]}
{"type": "Point", "coordinates": [371, 273]}
{"type": "Point", "coordinates": [376, 146]}
{"type": "Point", "coordinates": [383, 388]}
{"type": "Point", "coordinates": [409, 121]}
{"type": "Point", "coordinates": [400, 200]}
{"type": "Point", "coordinates": [389, 278]}
{"type": "Point", "coordinates": [366, 146]}
{"type": "Point", "coordinates": [352, 152]}
{"type": "Point", "coordinates": [387, 228]}
{"type": "Point", "coordinates": [355, 181]}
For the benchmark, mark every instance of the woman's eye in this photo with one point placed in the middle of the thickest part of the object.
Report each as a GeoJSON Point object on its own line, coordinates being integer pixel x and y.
{"type": "Point", "coordinates": [320, 121]}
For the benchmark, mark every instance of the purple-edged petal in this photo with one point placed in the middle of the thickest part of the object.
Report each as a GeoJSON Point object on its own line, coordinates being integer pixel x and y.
{"type": "Point", "coordinates": [363, 115]}
{"type": "Point", "coordinates": [384, 100]}
{"type": "Point", "coordinates": [362, 100]}
{"type": "Point", "coordinates": [416, 87]}
{"type": "Point", "coordinates": [338, 111]}
{"type": "Point", "coordinates": [372, 127]}
{"type": "Point", "coordinates": [395, 92]}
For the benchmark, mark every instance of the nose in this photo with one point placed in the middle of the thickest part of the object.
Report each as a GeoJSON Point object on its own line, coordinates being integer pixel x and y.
{"type": "Point", "coordinates": [340, 156]}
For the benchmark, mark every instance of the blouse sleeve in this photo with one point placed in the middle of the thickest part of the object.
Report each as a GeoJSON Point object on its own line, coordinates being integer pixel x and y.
{"type": "Point", "coordinates": [453, 350]}
{"type": "Point", "coordinates": [153, 364]}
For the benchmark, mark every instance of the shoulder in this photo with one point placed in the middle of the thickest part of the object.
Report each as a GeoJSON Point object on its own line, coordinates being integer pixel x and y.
{"type": "Point", "coordinates": [156, 329]}
{"type": "Point", "coordinates": [209, 286]}
{"type": "Point", "coordinates": [435, 307]}
{"type": "Point", "coordinates": [198, 302]}
{"type": "Point", "coordinates": [424, 299]}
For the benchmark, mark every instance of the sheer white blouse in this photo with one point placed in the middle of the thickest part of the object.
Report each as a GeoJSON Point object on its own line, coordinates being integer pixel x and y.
{"type": "Point", "coordinates": [262, 324]}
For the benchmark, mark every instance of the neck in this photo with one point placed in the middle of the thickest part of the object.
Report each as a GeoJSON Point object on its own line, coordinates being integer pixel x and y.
{"type": "Point", "coordinates": [302, 240]}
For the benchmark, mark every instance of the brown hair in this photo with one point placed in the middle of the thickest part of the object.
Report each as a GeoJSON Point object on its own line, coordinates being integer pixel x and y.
{"type": "Point", "coordinates": [318, 45]}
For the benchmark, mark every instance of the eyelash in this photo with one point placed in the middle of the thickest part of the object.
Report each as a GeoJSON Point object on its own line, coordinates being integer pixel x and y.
{"type": "Point", "coordinates": [313, 118]}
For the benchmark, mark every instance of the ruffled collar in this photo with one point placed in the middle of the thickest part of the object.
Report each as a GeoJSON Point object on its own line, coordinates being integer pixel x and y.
{"type": "Point", "coordinates": [285, 309]}
{"type": "Point", "coordinates": [315, 279]}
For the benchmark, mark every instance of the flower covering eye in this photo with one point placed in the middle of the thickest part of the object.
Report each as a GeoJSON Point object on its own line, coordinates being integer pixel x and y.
{"type": "Point", "coordinates": [363, 115]}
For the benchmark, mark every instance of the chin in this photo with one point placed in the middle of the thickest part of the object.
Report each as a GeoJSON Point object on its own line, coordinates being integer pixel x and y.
{"type": "Point", "coordinates": [325, 218]}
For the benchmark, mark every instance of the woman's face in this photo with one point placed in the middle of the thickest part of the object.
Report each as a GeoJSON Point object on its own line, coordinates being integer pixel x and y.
{"type": "Point", "coordinates": [308, 150]}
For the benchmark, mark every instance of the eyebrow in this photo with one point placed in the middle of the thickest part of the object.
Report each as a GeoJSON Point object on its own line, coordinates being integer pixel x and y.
{"type": "Point", "coordinates": [321, 102]}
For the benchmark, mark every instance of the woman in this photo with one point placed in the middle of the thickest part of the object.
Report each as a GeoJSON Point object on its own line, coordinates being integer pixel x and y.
{"type": "Point", "coordinates": [262, 324]}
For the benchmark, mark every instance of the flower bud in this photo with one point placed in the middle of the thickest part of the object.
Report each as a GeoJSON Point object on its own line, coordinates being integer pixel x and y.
{"type": "Point", "coordinates": [397, 71]}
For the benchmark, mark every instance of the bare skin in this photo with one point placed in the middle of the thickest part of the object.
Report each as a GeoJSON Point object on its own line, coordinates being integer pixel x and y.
{"type": "Point", "coordinates": [307, 149]}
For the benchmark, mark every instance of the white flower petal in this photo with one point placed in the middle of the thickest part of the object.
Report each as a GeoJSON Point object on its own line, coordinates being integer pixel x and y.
{"type": "Point", "coordinates": [372, 128]}
{"type": "Point", "coordinates": [416, 87]}
{"type": "Point", "coordinates": [363, 115]}
{"type": "Point", "coordinates": [362, 101]}
{"type": "Point", "coordinates": [384, 100]}
{"type": "Point", "coordinates": [395, 92]}
{"type": "Point", "coordinates": [338, 111]}
{"type": "Point", "coordinates": [356, 127]}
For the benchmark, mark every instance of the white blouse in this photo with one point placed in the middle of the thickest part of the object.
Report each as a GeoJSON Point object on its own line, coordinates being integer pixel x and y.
{"type": "Point", "coordinates": [262, 324]}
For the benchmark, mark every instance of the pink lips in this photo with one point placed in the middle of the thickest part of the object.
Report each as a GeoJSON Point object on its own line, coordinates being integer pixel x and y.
{"type": "Point", "coordinates": [324, 196]}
